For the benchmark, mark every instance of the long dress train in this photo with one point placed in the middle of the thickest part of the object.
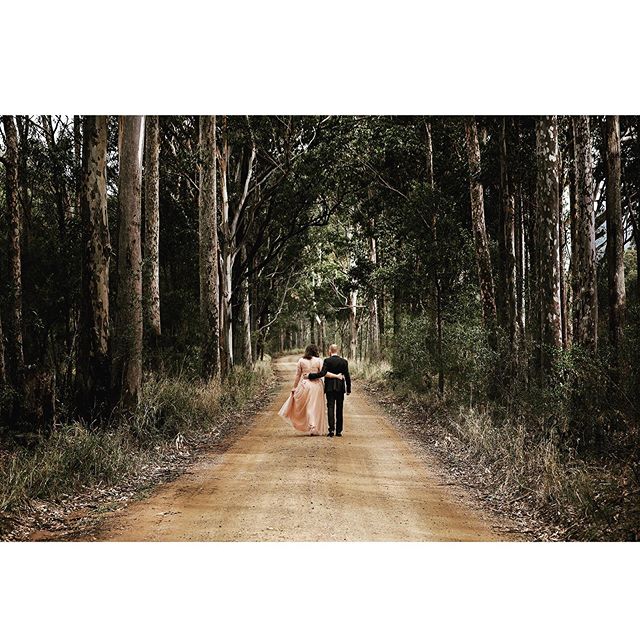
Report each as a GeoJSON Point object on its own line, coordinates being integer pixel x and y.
{"type": "Point", "coordinates": [305, 407]}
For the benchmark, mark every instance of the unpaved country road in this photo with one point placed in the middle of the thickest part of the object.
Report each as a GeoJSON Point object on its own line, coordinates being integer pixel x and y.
{"type": "Point", "coordinates": [274, 483]}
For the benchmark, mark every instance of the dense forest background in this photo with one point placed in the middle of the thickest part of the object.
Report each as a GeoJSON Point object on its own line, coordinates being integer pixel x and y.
{"type": "Point", "coordinates": [484, 268]}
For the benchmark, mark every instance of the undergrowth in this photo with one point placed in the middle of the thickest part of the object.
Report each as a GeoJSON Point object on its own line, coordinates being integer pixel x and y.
{"type": "Point", "coordinates": [514, 455]}
{"type": "Point", "coordinates": [79, 455]}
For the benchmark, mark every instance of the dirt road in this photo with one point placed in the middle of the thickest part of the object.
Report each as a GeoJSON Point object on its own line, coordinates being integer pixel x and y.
{"type": "Point", "coordinates": [274, 483]}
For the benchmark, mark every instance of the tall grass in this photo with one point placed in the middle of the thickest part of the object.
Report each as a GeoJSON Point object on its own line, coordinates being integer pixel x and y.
{"type": "Point", "coordinates": [515, 456]}
{"type": "Point", "coordinates": [374, 372]}
{"type": "Point", "coordinates": [80, 455]}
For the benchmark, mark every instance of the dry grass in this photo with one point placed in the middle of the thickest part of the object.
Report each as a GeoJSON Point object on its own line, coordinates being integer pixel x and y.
{"type": "Point", "coordinates": [374, 372]}
{"type": "Point", "coordinates": [79, 455]}
{"type": "Point", "coordinates": [514, 458]}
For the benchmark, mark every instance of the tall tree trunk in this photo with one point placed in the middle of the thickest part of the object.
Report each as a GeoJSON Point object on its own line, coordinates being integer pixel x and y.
{"type": "Point", "coordinates": [127, 339]}
{"type": "Point", "coordinates": [353, 323]}
{"type": "Point", "coordinates": [245, 303]}
{"type": "Point", "coordinates": [15, 350]}
{"type": "Point", "coordinates": [208, 232]}
{"type": "Point", "coordinates": [439, 331]}
{"type": "Point", "coordinates": [585, 315]}
{"type": "Point", "coordinates": [322, 340]}
{"type": "Point", "coordinates": [93, 366]}
{"type": "Point", "coordinates": [508, 240]}
{"type": "Point", "coordinates": [151, 265]}
{"type": "Point", "coordinates": [535, 299]}
{"type": "Point", "coordinates": [3, 369]}
{"type": "Point", "coordinates": [635, 224]}
{"type": "Point", "coordinates": [226, 314]}
{"type": "Point", "coordinates": [77, 162]}
{"type": "Point", "coordinates": [396, 311]}
{"type": "Point", "coordinates": [572, 275]}
{"type": "Point", "coordinates": [429, 154]}
{"type": "Point", "coordinates": [227, 254]}
{"type": "Point", "coordinates": [562, 292]}
{"type": "Point", "coordinates": [520, 262]}
{"type": "Point", "coordinates": [563, 284]}
{"type": "Point", "coordinates": [547, 209]}
{"type": "Point", "coordinates": [615, 242]}
{"type": "Point", "coordinates": [437, 284]}
{"type": "Point", "coordinates": [63, 205]}
{"type": "Point", "coordinates": [374, 324]}
{"type": "Point", "coordinates": [483, 258]}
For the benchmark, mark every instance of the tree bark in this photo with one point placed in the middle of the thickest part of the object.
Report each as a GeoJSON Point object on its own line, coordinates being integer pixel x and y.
{"type": "Point", "coordinates": [635, 224]}
{"type": "Point", "coordinates": [151, 265]}
{"type": "Point", "coordinates": [508, 239]}
{"type": "Point", "coordinates": [483, 258]}
{"type": "Point", "coordinates": [585, 308]}
{"type": "Point", "coordinates": [93, 366]}
{"type": "Point", "coordinates": [208, 231]}
{"type": "Point", "coordinates": [547, 210]}
{"type": "Point", "coordinates": [564, 314]}
{"type": "Point", "coordinates": [429, 154]}
{"type": "Point", "coordinates": [615, 242]}
{"type": "Point", "coordinates": [127, 339]}
{"type": "Point", "coordinates": [247, 357]}
{"type": "Point", "coordinates": [15, 349]}
{"type": "Point", "coordinates": [396, 311]}
{"type": "Point", "coordinates": [437, 284]}
{"type": "Point", "coordinates": [374, 323]}
{"type": "Point", "coordinates": [353, 323]}
{"type": "Point", "coordinates": [58, 181]}
{"type": "Point", "coordinates": [322, 346]}
{"type": "Point", "coordinates": [77, 162]}
{"type": "Point", "coordinates": [227, 253]}
{"type": "Point", "coordinates": [572, 275]}
{"type": "Point", "coordinates": [520, 262]}
{"type": "Point", "coordinates": [3, 369]}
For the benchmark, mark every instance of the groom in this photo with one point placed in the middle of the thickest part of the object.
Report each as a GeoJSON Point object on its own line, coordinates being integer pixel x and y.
{"type": "Point", "coordinates": [334, 388]}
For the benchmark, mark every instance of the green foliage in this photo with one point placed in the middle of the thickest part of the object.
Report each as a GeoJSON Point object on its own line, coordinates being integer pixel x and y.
{"type": "Point", "coordinates": [78, 456]}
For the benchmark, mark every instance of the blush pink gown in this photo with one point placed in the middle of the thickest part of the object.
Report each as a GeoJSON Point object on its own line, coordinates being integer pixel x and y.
{"type": "Point", "coordinates": [305, 407]}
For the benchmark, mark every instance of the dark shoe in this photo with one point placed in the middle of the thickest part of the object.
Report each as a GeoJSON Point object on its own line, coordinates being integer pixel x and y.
{"type": "Point", "coordinates": [338, 435]}
{"type": "Point", "coordinates": [330, 434]}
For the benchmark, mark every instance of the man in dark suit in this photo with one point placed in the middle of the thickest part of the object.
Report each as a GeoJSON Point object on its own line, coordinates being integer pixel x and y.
{"type": "Point", "coordinates": [334, 388]}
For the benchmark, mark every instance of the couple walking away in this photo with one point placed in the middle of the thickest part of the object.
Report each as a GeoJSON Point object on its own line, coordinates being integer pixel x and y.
{"type": "Point", "coordinates": [305, 407]}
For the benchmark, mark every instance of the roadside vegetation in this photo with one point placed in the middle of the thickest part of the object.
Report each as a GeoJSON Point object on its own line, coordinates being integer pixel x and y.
{"type": "Point", "coordinates": [78, 455]}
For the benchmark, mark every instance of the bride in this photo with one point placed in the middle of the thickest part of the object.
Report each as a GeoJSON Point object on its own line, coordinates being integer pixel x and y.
{"type": "Point", "coordinates": [305, 405]}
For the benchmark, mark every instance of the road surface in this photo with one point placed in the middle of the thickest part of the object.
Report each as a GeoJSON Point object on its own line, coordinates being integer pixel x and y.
{"type": "Point", "coordinates": [275, 483]}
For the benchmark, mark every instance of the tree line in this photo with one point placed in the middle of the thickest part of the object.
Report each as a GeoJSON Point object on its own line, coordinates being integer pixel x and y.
{"type": "Point", "coordinates": [476, 254]}
{"type": "Point", "coordinates": [493, 255]}
{"type": "Point", "coordinates": [106, 216]}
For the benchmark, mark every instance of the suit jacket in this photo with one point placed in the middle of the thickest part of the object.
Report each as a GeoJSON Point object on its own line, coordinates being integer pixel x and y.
{"type": "Point", "coordinates": [334, 364]}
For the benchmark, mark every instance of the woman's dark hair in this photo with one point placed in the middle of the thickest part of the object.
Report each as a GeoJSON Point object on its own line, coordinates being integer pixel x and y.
{"type": "Point", "coordinates": [311, 352]}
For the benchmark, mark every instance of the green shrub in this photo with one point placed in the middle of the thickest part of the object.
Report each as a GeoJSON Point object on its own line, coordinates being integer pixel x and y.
{"type": "Point", "coordinates": [77, 455]}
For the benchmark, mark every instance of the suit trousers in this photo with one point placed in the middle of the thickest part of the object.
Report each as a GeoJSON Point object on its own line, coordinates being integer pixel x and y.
{"type": "Point", "coordinates": [335, 405]}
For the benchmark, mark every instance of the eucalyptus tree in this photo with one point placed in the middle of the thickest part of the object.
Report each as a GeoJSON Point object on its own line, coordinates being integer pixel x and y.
{"type": "Point", "coordinates": [547, 213]}
{"type": "Point", "coordinates": [93, 362]}
{"type": "Point", "coordinates": [583, 255]}
{"type": "Point", "coordinates": [208, 249]}
{"type": "Point", "coordinates": [273, 173]}
{"type": "Point", "coordinates": [508, 239]}
{"type": "Point", "coordinates": [127, 338]}
{"type": "Point", "coordinates": [483, 257]}
{"type": "Point", "coordinates": [14, 334]}
{"type": "Point", "coordinates": [151, 264]}
{"type": "Point", "coordinates": [615, 240]}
